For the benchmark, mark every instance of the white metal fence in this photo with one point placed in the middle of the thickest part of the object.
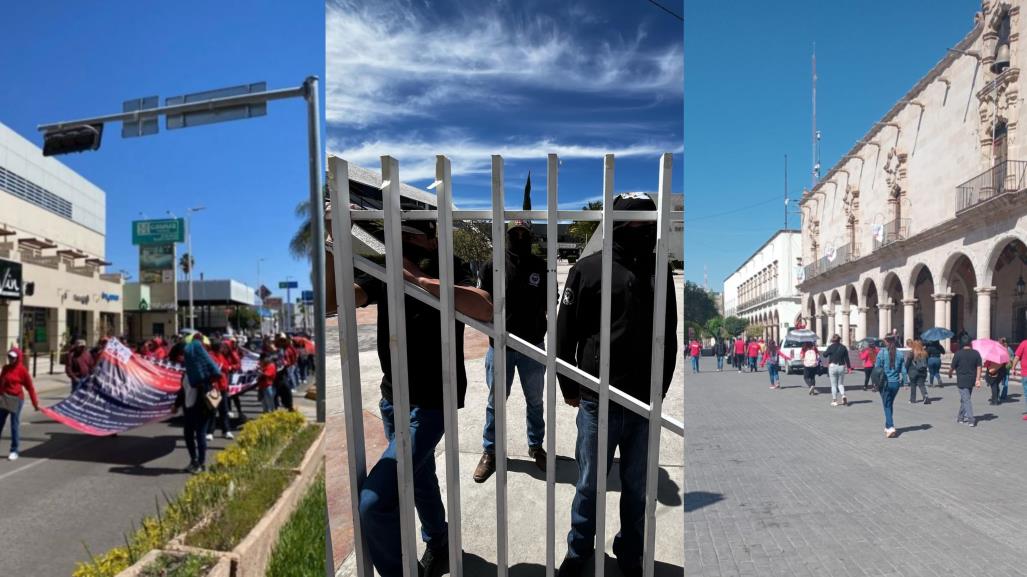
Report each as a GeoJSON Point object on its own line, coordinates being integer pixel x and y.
{"type": "Point", "coordinates": [392, 275]}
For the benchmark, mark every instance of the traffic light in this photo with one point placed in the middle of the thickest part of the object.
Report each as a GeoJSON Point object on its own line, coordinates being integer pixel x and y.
{"type": "Point", "coordinates": [75, 139]}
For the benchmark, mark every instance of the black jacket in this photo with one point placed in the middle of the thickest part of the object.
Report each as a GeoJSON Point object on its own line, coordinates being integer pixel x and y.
{"type": "Point", "coordinates": [631, 330]}
{"type": "Point", "coordinates": [424, 340]}
{"type": "Point", "coordinates": [525, 295]}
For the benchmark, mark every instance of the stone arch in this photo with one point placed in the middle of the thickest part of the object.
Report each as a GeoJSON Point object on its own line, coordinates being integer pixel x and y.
{"type": "Point", "coordinates": [948, 269]}
{"type": "Point", "coordinates": [922, 287]}
{"type": "Point", "coordinates": [1007, 268]}
{"type": "Point", "coordinates": [988, 274]}
{"type": "Point", "coordinates": [869, 299]}
{"type": "Point", "coordinates": [960, 278]}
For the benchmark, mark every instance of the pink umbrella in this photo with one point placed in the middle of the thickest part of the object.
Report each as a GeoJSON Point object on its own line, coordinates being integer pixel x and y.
{"type": "Point", "coordinates": [993, 351]}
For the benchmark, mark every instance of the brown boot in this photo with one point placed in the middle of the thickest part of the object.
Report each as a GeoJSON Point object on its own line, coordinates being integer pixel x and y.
{"type": "Point", "coordinates": [539, 455]}
{"type": "Point", "coordinates": [486, 466]}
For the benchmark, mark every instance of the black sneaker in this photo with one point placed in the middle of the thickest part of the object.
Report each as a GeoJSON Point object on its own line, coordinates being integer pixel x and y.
{"type": "Point", "coordinates": [538, 454]}
{"type": "Point", "coordinates": [434, 563]}
{"type": "Point", "coordinates": [192, 468]}
{"type": "Point", "coordinates": [572, 566]}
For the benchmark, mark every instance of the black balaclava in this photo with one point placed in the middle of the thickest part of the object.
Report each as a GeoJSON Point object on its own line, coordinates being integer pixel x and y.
{"type": "Point", "coordinates": [519, 246]}
{"type": "Point", "coordinates": [639, 241]}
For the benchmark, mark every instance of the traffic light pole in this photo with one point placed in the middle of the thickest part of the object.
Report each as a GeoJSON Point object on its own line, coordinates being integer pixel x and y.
{"type": "Point", "coordinates": [309, 92]}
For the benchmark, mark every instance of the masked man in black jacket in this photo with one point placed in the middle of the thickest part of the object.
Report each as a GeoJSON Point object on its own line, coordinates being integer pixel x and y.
{"type": "Point", "coordinates": [526, 318]}
{"type": "Point", "coordinates": [379, 497]}
{"type": "Point", "coordinates": [631, 339]}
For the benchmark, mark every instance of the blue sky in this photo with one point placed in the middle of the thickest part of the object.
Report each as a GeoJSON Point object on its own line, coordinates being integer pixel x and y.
{"type": "Point", "coordinates": [519, 78]}
{"type": "Point", "coordinates": [747, 104]}
{"type": "Point", "coordinates": [67, 60]}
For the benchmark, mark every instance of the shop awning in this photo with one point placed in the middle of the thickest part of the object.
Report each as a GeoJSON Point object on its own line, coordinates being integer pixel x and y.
{"type": "Point", "coordinates": [72, 253]}
{"type": "Point", "coordinates": [36, 243]}
{"type": "Point", "coordinates": [98, 262]}
{"type": "Point", "coordinates": [4, 231]}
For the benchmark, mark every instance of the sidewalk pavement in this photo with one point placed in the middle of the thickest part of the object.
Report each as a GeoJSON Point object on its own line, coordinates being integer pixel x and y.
{"type": "Point", "coordinates": [525, 483]}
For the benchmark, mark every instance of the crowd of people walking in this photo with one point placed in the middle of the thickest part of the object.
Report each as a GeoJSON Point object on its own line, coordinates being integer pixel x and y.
{"type": "Point", "coordinates": [887, 366]}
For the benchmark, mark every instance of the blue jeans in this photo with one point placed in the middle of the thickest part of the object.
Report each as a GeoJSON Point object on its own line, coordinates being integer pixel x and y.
{"type": "Point", "coordinates": [934, 368]}
{"type": "Point", "coordinates": [267, 399]}
{"type": "Point", "coordinates": [631, 433]}
{"type": "Point", "coordinates": [720, 362]}
{"type": "Point", "coordinates": [532, 383]}
{"type": "Point", "coordinates": [76, 383]}
{"type": "Point", "coordinates": [695, 364]}
{"type": "Point", "coordinates": [15, 425]}
{"type": "Point", "coordinates": [752, 364]}
{"type": "Point", "coordinates": [772, 370]}
{"type": "Point", "coordinates": [888, 393]}
{"type": "Point", "coordinates": [379, 497]}
{"type": "Point", "coordinates": [1004, 394]}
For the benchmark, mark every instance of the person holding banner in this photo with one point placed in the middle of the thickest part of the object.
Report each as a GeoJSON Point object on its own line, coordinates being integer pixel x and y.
{"type": "Point", "coordinates": [631, 342]}
{"type": "Point", "coordinates": [218, 352]}
{"type": "Point", "coordinates": [266, 380]}
{"type": "Point", "coordinates": [78, 365]}
{"type": "Point", "coordinates": [379, 497]}
{"type": "Point", "coordinates": [14, 381]}
{"type": "Point", "coordinates": [235, 366]}
{"type": "Point", "coordinates": [201, 375]}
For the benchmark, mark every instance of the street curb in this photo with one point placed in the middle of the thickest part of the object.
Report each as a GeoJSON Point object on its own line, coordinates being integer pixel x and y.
{"type": "Point", "coordinates": [223, 567]}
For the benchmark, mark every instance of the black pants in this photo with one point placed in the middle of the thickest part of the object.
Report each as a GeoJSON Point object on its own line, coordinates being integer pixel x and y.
{"type": "Point", "coordinates": [220, 417]}
{"type": "Point", "coordinates": [195, 430]}
{"type": "Point", "coordinates": [995, 384]}
{"type": "Point", "coordinates": [920, 381]}
{"type": "Point", "coordinates": [809, 375]}
{"type": "Point", "coordinates": [866, 377]}
{"type": "Point", "coordinates": [283, 394]}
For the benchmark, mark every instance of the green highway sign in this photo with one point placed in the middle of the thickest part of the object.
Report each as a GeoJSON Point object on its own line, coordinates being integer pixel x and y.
{"type": "Point", "coordinates": [166, 230]}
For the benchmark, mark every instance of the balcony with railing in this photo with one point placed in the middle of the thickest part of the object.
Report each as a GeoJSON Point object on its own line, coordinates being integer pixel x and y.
{"type": "Point", "coordinates": [890, 232]}
{"type": "Point", "coordinates": [842, 255]}
{"type": "Point", "coordinates": [1004, 178]}
{"type": "Point", "coordinates": [758, 300]}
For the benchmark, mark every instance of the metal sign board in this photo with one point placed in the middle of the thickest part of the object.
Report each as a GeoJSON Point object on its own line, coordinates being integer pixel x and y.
{"type": "Point", "coordinates": [162, 231]}
{"type": "Point", "coordinates": [308, 296]}
{"type": "Point", "coordinates": [220, 114]}
{"type": "Point", "coordinates": [289, 284]}
{"type": "Point", "coordinates": [10, 280]}
{"type": "Point", "coordinates": [144, 127]}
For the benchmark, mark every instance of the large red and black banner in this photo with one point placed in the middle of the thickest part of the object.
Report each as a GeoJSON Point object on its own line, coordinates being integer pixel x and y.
{"type": "Point", "coordinates": [127, 390]}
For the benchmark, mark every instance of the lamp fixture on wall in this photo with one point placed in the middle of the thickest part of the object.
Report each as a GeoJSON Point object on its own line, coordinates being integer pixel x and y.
{"type": "Point", "coordinates": [1021, 287]}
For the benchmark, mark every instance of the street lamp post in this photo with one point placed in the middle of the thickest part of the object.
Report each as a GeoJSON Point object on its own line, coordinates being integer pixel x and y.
{"type": "Point", "coordinates": [191, 257]}
{"type": "Point", "coordinates": [243, 102]}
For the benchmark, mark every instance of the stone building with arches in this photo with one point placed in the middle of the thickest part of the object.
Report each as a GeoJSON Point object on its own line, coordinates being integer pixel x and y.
{"type": "Point", "coordinates": [924, 222]}
{"type": "Point", "coordinates": [762, 290]}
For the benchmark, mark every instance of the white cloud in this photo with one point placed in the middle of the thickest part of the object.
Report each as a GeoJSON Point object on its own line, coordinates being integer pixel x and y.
{"type": "Point", "coordinates": [468, 156]}
{"type": "Point", "coordinates": [390, 60]}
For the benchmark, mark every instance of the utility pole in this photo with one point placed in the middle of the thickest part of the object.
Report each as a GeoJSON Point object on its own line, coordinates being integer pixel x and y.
{"type": "Point", "coordinates": [786, 192]}
{"type": "Point", "coordinates": [816, 135]}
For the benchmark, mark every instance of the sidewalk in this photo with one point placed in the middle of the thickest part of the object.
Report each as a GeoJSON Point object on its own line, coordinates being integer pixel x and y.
{"type": "Point", "coordinates": [525, 483]}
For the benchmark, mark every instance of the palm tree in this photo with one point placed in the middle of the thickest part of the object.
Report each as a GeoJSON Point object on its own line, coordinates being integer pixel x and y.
{"type": "Point", "coordinates": [187, 263]}
{"type": "Point", "coordinates": [582, 230]}
{"type": "Point", "coordinates": [299, 246]}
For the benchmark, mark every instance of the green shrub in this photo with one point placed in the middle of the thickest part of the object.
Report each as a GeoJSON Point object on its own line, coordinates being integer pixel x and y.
{"type": "Point", "coordinates": [300, 550]}
{"type": "Point", "coordinates": [232, 522]}
{"type": "Point", "coordinates": [180, 566]}
{"type": "Point", "coordinates": [247, 458]}
{"type": "Point", "coordinates": [293, 453]}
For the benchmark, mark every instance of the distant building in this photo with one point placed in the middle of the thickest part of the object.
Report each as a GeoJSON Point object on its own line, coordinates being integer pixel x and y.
{"type": "Point", "coordinates": [214, 304]}
{"type": "Point", "coordinates": [762, 290]}
{"type": "Point", "coordinates": [53, 284]}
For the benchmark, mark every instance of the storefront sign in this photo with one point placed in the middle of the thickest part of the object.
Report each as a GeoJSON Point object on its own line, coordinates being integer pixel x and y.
{"type": "Point", "coordinates": [163, 231]}
{"type": "Point", "coordinates": [81, 299]}
{"type": "Point", "coordinates": [108, 297]}
{"type": "Point", "coordinates": [10, 280]}
{"type": "Point", "coordinates": [157, 263]}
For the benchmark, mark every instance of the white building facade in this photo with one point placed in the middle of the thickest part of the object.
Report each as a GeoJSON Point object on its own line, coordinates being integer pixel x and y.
{"type": "Point", "coordinates": [52, 228]}
{"type": "Point", "coordinates": [924, 222]}
{"type": "Point", "coordinates": [763, 290]}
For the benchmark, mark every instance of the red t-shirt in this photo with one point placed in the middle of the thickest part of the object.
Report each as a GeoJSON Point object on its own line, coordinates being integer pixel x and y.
{"type": "Point", "coordinates": [695, 349]}
{"type": "Point", "coordinates": [754, 349]}
{"type": "Point", "coordinates": [739, 347]}
{"type": "Point", "coordinates": [1021, 353]}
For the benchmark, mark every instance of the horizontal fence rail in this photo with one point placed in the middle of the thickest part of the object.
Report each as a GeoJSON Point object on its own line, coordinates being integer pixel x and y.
{"type": "Point", "coordinates": [346, 262]}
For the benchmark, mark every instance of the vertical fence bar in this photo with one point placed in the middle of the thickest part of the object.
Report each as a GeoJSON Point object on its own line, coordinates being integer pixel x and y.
{"type": "Point", "coordinates": [656, 381]}
{"type": "Point", "coordinates": [606, 298]}
{"type": "Point", "coordinates": [349, 353]}
{"type": "Point", "coordinates": [398, 351]}
{"type": "Point", "coordinates": [552, 290]}
{"type": "Point", "coordinates": [499, 358]}
{"type": "Point", "coordinates": [450, 394]}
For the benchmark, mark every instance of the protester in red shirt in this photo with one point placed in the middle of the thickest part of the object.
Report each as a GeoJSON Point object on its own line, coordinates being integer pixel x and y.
{"type": "Point", "coordinates": [739, 353]}
{"type": "Point", "coordinates": [266, 380]}
{"type": "Point", "coordinates": [753, 351]}
{"type": "Point", "coordinates": [235, 364]}
{"type": "Point", "coordinates": [14, 381]}
{"type": "Point", "coordinates": [1019, 358]}
{"type": "Point", "coordinates": [78, 365]}
{"type": "Point", "coordinates": [218, 355]}
{"type": "Point", "coordinates": [695, 350]}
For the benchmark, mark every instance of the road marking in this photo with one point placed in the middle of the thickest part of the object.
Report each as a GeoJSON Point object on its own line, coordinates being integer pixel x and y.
{"type": "Point", "coordinates": [33, 464]}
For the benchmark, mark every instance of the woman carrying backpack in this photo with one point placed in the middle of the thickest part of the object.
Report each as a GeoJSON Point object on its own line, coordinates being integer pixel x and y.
{"type": "Point", "coordinates": [810, 364]}
{"type": "Point", "coordinates": [893, 364]}
{"type": "Point", "coordinates": [869, 356]}
{"type": "Point", "coordinates": [918, 372]}
{"type": "Point", "coordinates": [720, 350]}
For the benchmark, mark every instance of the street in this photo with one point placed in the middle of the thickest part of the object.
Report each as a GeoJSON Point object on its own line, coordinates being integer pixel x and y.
{"type": "Point", "coordinates": [70, 493]}
{"type": "Point", "coordinates": [782, 483]}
